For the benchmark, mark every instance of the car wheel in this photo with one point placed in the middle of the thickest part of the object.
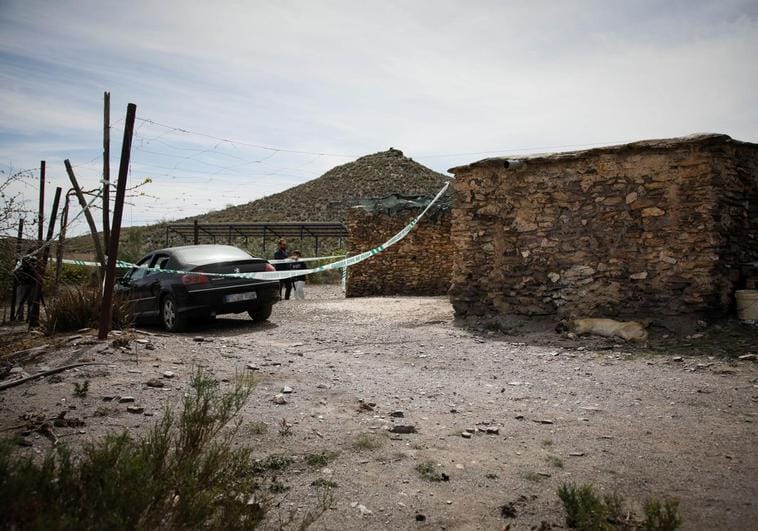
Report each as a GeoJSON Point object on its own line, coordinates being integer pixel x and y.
{"type": "Point", "coordinates": [172, 320]}
{"type": "Point", "coordinates": [261, 313]}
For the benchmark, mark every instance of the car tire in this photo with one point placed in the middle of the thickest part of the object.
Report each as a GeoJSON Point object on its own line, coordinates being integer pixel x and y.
{"type": "Point", "coordinates": [171, 319]}
{"type": "Point", "coordinates": [262, 313]}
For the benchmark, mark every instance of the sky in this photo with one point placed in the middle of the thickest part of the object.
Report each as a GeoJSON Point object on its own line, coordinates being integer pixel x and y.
{"type": "Point", "coordinates": [238, 100]}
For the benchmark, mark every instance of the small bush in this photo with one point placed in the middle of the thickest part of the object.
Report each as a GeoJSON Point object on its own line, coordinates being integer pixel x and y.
{"type": "Point", "coordinates": [76, 308]}
{"type": "Point", "coordinates": [428, 470]}
{"type": "Point", "coordinates": [318, 459]}
{"type": "Point", "coordinates": [587, 511]}
{"type": "Point", "coordinates": [185, 473]}
{"type": "Point", "coordinates": [584, 509]}
{"type": "Point", "coordinates": [81, 390]}
{"type": "Point", "coordinates": [662, 516]}
{"type": "Point", "coordinates": [366, 442]}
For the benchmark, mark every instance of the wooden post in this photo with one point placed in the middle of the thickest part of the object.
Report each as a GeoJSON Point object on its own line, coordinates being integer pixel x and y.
{"type": "Point", "coordinates": [87, 214]}
{"type": "Point", "coordinates": [106, 167]}
{"type": "Point", "coordinates": [19, 241]}
{"type": "Point", "coordinates": [196, 232]}
{"type": "Point", "coordinates": [118, 209]}
{"type": "Point", "coordinates": [42, 264]}
{"type": "Point", "coordinates": [41, 213]}
{"type": "Point", "coordinates": [61, 241]}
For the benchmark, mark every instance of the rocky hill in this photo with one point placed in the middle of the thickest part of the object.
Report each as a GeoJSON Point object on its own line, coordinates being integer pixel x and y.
{"type": "Point", "coordinates": [326, 198]}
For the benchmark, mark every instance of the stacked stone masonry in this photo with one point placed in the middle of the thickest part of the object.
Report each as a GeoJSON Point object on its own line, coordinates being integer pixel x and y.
{"type": "Point", "coordinates": [650, 228]}
{"type": "Point", "coordinates": [419, 264]}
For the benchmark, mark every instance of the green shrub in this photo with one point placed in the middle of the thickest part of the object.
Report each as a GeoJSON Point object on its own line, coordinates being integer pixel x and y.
{"type": "Point", "coordinates": [185, 473]}
{"type": "Point", "coordinates": [587, 511]}
{"type": "Point", "coordinates": [662, 516]}
{"type": "Point", "coordinates": [74, 308]}
{"type": "Point", "coordinates": [584, 509]}
{"type": "Point", "coordinates": [428, 470]}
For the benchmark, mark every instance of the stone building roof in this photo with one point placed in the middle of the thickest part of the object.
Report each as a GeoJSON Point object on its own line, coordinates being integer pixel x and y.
{"type": "Point", "coordinates": [656, 144]}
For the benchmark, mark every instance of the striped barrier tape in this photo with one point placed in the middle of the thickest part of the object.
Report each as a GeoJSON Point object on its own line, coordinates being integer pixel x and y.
{"type": "Point", "coordinates": [282, 275]}
{"type": "Point", "coordinates": [311, 259]}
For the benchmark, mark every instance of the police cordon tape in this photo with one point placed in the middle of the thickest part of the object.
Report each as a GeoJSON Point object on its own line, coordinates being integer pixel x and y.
{"type": "Point", "coordinates": [282, 275]}
{"type": "Point", "coordinates": [310, 259]}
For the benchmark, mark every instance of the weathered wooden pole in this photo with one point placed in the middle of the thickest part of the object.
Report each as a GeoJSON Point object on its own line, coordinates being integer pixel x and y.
{"type": "Point", "coordinates": [61, 240]}
{"type": "Point", "coordinates": [42, 264]}
{"type": "Point", "coordinates": [106, 168]}
{"type": "Point", "coordinates": [87, 214]}
{"type": "Point", "coordinates": [118, 209]}
{"type": "Point", "coordinates": [41, 213]}
{"type": "Point", "coordinates": [19, 240]}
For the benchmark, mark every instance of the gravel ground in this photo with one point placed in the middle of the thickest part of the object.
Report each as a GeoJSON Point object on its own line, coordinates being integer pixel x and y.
{"type": "Point", "coordinates": [563, 411]}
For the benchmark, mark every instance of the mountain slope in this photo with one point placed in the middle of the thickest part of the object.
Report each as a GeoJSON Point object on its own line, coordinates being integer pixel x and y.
{"type": "Point", "coordinates": [328, 197]}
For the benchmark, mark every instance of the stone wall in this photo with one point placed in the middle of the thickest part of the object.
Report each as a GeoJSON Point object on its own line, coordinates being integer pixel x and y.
{"type": "Point", "coordinates": [419, 264]}
{"type": "Point", "coordinates": [655, 227]}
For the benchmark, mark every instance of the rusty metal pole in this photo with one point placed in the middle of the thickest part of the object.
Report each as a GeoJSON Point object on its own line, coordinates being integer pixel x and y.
{"type": "Point", "coordinates": [118, 210]}
{"type": "Point", "coordinates": [41, 213]}
{"type": "Point", "coordinates": [42, 264]}
{"type": "Point", "coordinates": [19, 240]}
{"type": "Point", "coordinates": [106, 168]}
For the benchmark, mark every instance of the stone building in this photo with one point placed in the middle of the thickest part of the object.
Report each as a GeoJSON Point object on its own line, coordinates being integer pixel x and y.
{"type": "Point", "coordinates": [419, 264]}
{"type": "Point", "coordinates": [648, 228]}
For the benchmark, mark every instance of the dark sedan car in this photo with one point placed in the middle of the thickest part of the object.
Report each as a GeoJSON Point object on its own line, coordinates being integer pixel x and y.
{"type": "Point", "coordinates": [176, 298]}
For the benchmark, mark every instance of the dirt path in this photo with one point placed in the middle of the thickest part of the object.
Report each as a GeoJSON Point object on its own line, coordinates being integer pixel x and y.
{"type": "Point", "coordinates": [625, 422]}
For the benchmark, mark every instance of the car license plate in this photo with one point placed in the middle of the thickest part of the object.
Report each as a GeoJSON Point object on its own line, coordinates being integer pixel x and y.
{"type": "Point", "coordinates": [237, 297]}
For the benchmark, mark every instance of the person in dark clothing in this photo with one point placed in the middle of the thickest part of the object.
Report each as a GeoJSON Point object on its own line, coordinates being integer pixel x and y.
{"type": "Point", "coordinates": [26, 282]}
{"type": "Point", "coordinates": [285, 284]}
{"type": "Point", "coordinates": [299, 281]}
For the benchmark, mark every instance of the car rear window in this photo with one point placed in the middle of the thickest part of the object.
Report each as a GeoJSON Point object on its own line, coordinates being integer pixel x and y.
{"type": "Point", "coordinates": [210, 254]}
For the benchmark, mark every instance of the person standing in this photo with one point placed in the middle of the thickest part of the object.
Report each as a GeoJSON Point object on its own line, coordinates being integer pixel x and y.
{"type": "Point", "coordinates": [286, 283]}
{"type": "Point", "coordinates": [26, 281]}
{"type": "Point", "coordinates": [299, 281]}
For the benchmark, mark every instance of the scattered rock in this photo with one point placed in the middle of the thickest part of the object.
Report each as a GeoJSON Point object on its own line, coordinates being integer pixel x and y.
{"type": "Point", "coordinates": [466, 435]}
{"type": "Point", "coordinates": [544, 421]}
{"type": "Point", "coordinates": [149, 346]}
{"type": "Point", "coordinates": [677, 358]}
{"type": "Point", "coordinates": [251, 367]}
{"type": "Point", "coordinates": [156, 383]}
{"type": "Point", "coordinates": [126, 399]}
{"type": "Point", "coordinates": [135, 409]}
{"type": "Point", "coordinates": [365, 511]}
{"type": "Point", "coordinates": [198, 339]}
{"type": "Point", "coordinates": [420, 517]}
{"type": "Point", "coordinates": [287, 390]}
{"type": "Point", "coordinates": [403, 428]}
{"type": "Point", "coordinates": [519, 417]}
{"type": "Point", "coordinates": [639, 276]}
{"type": "Point", "coordinates": [747, 357]}
{"type": "Point", "coordinates": [397, 414]}
{"type": "Point", "coordinates": [576, 454]}
{"type": "Point", "coordinates": [141, 341]}
{"type": "Point", "coordinates": [279, 399]}
{"type": "Point", "coordinates": [168, 374]}
{"type": "Point", "coordinates": [492, 430]}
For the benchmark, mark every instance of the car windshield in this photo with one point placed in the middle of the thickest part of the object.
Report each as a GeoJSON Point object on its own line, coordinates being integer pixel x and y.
{"type": "Point", "coordinates": [198, 255]}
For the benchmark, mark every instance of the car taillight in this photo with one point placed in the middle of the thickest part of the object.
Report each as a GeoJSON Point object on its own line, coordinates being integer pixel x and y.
{"type": "Point", "coordinates": [193, 278]}
{"type": "Point", "coordinates": [269, 267]}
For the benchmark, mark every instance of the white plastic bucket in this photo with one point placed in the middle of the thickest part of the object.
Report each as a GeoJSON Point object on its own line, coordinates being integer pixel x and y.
{"type": "Point", "coordinates": [747, 304]}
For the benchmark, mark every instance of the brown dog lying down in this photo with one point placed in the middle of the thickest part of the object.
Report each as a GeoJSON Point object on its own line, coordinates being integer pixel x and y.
{"type": "Point", "coordinates": [628, 331]}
